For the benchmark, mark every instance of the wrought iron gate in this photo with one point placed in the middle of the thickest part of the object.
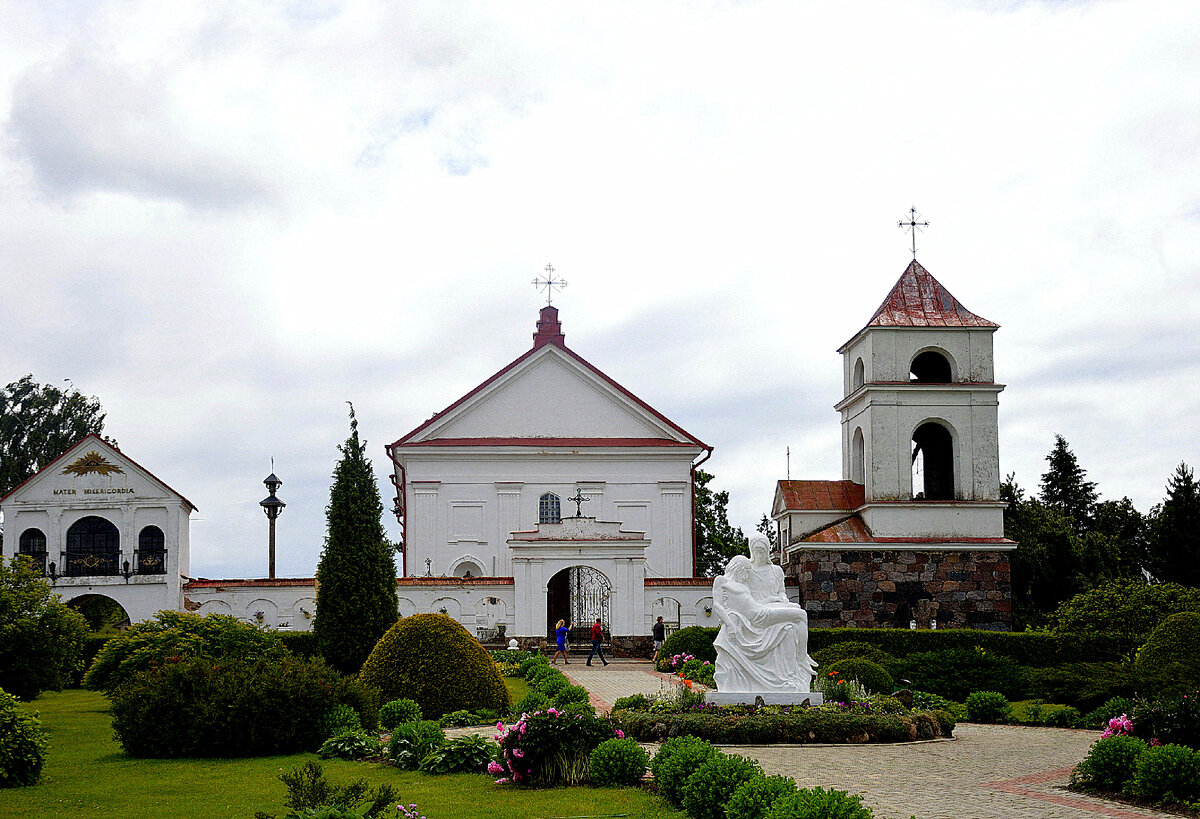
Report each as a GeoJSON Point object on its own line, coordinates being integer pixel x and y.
{"type": "Point", "coordinates": [590, 595]}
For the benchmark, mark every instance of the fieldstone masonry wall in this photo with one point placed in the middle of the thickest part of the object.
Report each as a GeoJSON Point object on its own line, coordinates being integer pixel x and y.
{"type": "Point", "coordinates": [870, 589]}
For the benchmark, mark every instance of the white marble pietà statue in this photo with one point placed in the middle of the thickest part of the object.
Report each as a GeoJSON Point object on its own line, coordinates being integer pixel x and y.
{"type": "Point", "coordinates": [762, 647]}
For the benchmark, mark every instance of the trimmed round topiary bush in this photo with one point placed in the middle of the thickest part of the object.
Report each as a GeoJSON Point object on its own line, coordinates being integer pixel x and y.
{"type": "Point", "coordinates": [397, 711]}
{"type": "Point", "coordinates": [754, 797]}
{"type": "Point", "coordinates": [675, 761]}
{"type": "Point", "coordinates": [339, 719]}
{"type": "Point", "coordinates": [529, 662]}
{"type": "Point", "coordinates": [634, 702]}
{"type": "Point", "coordinates": [531, 702]}
{"type": "Point", "coordinates": [22, 744]}
{"type": "Point", "coordinates": [1169, 774]}
{"type": "Point", "coordinates": [818, 803]}
{"type": "Point", "coordinates": [618, 762]}
{"type": "Point", "coordinates": [432, 659]}
{"type": "Point", "coordinates": [871, 676]}
{"type": "Point", "coordinates": [1168, 664]}
{"type": "Point", "coordinates": [988, 707]}
{"type": "Point", "coordinates": [712, 784]}
{"type": "Point", "coordinates": [569, 694]}
{"type": "Point", "coordinates": [551, 684]}
{"type": "Point", "coordinates": [1114, 707]}
{"type": "Point", "coordinates": [852, 649]}
{"type": "Point", "coordinates": [413, 741]}
{"type": "Point", "coordinates": [1109, 764]}
{"type": "Point", "coordinates": [694, 640]}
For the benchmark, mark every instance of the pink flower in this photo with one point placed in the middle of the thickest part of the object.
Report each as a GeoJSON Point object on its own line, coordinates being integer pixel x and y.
{"type": "Point", "coordinates": [1154, 743]}
{"type": "Point", "coordinates": [620, 734]}
{"type": "Point", "coordinates": [503, 781]}
{"type": "Point", "coordinates": [495, 768]}
{"type": "Point", "coordinates": [518, 753]}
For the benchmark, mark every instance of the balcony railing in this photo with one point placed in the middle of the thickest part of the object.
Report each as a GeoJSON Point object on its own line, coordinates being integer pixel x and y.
{"type": "Point", "coordinates": [112, 564]}
{"type": "Point", "coordinates": [36, 559]}
{"type": "Point", "coordinates": [150, 561]}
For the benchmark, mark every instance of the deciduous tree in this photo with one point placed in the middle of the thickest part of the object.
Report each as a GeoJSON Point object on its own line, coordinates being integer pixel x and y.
{"type": "Point", "coordinates": [356, 593]}
{"type": "Point", "coordinates": [38, 422]}
{"type": "Point", "coordinates": [717, 539]}
{"type": "Point", "coordinates": [41, 638]}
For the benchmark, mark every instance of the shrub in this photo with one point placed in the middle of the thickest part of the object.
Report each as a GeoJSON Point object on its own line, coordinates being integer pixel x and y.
{"type": "Point", "coordinates": [694, 640]}
{"type": "Point", "coordinates": [41, 638]}
{"type": "Point", "coordinates": [988, 706]}
{"type": "Point", "coordinates": [852, 649]}
{"type": "Point", "coordinates": [195, 707]}
{"type": "Point", "coordinates": [754, 797]}
{"type": "Point", "coordinates": [1122, 613]}
{"type": "Point", "coordinates": [818, 803]}
{"type": "Point", "coordinates": [1168, 774]}
{"type": "Point", "coordinates": [1173, 720]}
{"type": "Point", "coordinates": [1114, 707]}
{"type": "Point", "coordinates": [869, 674]}
{"type": "Point", "coordinates": [553, 747]}
{"type": "Point", "coordinates": [551, 684]}
{"type": "Point", "coordinates": [1168, 664]}
{"type": "Point", "coordinates": [468, 754]}
{"type": "Point", "coordinates": [1066, 717]}
{"type": "Point", "coordinates": [529, 662]}
{"type": "Point", "coordinates": [533, 701]}
{"type": "Point", "coordinates": [700, 671]}
{"type": "Point", "coordinates": [457, 719]}
{"type": "Point", "coordinates": [711, 785]}
{"type": "Point", "coordinates": [300, 643]}
{"type": "Point", "coordinates": [1109, 763]}
{"type": "Point", "coordinates": [675, 761]}
{"type": "Point", "coordinates": [430, 658]}
{"type": "Point", "coordinates": [618, 762]}
{"type": "Point", "coordinates": [413, 741]}
{"type": "Point", "coordinates": [957, 672]}
{"type": "Point", "coordinates": [634, 702]}
{"type": "Point", "coordinates": [22, 744]}
{"type": "Point", "coordinates": [882, 704]}
{"type": "Point", "coordinates": [340, 719]}
{"type": "Point", "coordinates": [1030, 648]}
{"type": "Point", "coordinates": [350, 745]}
{"type": "Point", "coordinates": [309, 792]}
{"type": "Point", "coordinates": [569, 694]}
{"type": "Point", "coordinates": [170, 635]}
{"type": "Point", "coordinates": [827, 724]}
{"type": "Point", "coordinates": [1084, 685]}
{"type": "Point", "coordinates": [924, 701]}
{"type": "Point", "coordinates": [398, 711]}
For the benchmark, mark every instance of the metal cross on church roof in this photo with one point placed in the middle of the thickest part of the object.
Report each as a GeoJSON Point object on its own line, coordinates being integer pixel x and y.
{"type": "Point", "coordinates": [580, 499]}
{"type": "Point", "coordinates": [548, 283]}
{"type": "Point", "coordinates": [912, 226]}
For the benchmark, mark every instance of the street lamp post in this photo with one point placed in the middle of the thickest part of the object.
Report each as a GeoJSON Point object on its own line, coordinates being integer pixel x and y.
{"type": "Point", "coordinates": [272, 506]}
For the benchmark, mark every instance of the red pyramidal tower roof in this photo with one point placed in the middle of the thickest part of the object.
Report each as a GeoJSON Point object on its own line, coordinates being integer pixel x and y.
{"type": "Point", "coordinates": [919, 300]}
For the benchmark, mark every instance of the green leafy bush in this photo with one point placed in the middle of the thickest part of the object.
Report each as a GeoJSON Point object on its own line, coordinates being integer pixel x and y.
{"type": "Point", "coordinates": [340, 719]}
{"type": "Point", "coordinates": [413, 741]}
{"type": "Point", "coordinates": [1109, 763]}
{"type": "Point", "coordinates": [852, 649]}
{"type": "Point", "coordinates": [988, 707]}
{"type": "Point", "coordinates": [531, 702]}
{"type": "Point", "coordinates": [457, 719]}
{"type": "Point", "coordinates": [432, 659]}
{"type": "Point", "coordinates": [553, 747]}
{"type": "Point", "coordinates": [1169, 774]}
{"type": "Point", "coordinates": [353, 744]}
{"type": "Point", "coordinates": [1114, 707]}
{"type": "Point", "coordinates": [634, 702]}
{"type": "Point", "coordinates": [825, 724]}
{"type": "Point", "coordinates": [311, 795]}
{"type": "Point", "coordinates": [397, 711]}
{"type": "Point", "coordinates": [1121, 614]}
{"type": "Point", "coordinates": [22, 744]}
{"type": "Point", "coordinates": [467, 754]}
{"type": "Point", "coordinates": [884, 704]}
{"type": "Point", "coordinates": [1171, 719]}
{"type": "Point", "coordinates": [551, 684]}
{"type": "Point", "coordinates": [957, 672]}
{"type": "Point", "coordinates": [1168, 664]}
{"type": "Point", "coordinates": [870, 675]}
{"type": "Point", "coordinates": [694, 640]}
{"type": "Point", "coordinates": [1029, 648]}
{"type": "Point", "coordinates": [197, 707]}
{"type": "Point", "coordinates": [300, 643]}
{"type": "Point", "coordinates": [618, 762]}
{"type": "Point", "coordinates": [675, 761]}
{"type": "Point", "coordinates": [569, 694]}
{"type": "Point", "coordinates": [529, 662]}
{"type": "Point", "coordinates": [818, 803]}
{"type": "Point", "coordinates": [754, 797]}
{"type": "Point", "coordinates": [41, 638]}
{"type": "Point", "coordinates": [711, 785]}
{"type": "Point", "coordinates": [171, 635]}
{"type": "Point", "coordinates": [1066, 717]}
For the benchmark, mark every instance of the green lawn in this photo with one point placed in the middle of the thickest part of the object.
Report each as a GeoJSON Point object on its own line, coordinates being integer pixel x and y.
{"type": "Point", "coordinates": [517, 688]}
{"type": "Point", "coordinates": [87, 775]}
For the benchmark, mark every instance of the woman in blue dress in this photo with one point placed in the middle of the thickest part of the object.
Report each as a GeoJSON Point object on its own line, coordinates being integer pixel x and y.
{"type": "Point", "coordinates": [560, 632]}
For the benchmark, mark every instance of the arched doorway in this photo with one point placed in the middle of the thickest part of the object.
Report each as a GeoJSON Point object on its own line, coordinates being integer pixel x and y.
{"type": "Point", "coordinates": [579, 595]}
{"type": "Point", "coordinates": [103, 614]}
{"type": "Point", "coordinates": [93, 548]}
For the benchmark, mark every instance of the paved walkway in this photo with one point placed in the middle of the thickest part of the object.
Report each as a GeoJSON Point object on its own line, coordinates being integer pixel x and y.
{"type": "Point", "coordinates": [987, 772]}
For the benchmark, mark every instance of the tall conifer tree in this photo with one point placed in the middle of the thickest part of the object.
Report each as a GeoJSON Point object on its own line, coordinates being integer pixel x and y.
{"type": "Point", "coordinates": [1174, 548]}
{"type": "Point", "coordinates": [356, 595]}
{"type": "Point", "coordinates": [1065, 487]}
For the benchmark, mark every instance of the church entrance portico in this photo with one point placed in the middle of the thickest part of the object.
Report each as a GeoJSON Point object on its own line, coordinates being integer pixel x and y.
{"type": "Point", "coordinates": [578, 594]}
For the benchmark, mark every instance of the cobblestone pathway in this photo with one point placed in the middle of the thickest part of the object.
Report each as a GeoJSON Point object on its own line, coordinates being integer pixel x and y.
{"type": "Point", "coordinates": [987, 772]}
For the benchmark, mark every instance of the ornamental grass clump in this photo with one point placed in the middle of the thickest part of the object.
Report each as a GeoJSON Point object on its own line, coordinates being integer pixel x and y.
{"type": "Point", "coordinates": [551, 747]}
{"type": "Point", "coordinates": [712, 784]}
{"type": "Point", "coordinates": [619, 761]}
{"type": "Point", "coordinates": [754, 797]}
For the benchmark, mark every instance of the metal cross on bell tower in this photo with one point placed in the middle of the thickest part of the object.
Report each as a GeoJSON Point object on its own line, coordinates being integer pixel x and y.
{"type": "Point", "coordinates": [548, 282]}
{"type": "Point", "coordinates": [912, 226]}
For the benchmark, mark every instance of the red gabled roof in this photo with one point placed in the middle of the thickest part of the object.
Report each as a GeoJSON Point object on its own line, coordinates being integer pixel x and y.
{"type": "Point", "coordinates": [821, 496]}
{"type": "Point", "coordinates": [264, 582]}
{"type": "Point", "coordinates": [919, 300]}
{"type": "Point", "coordinates": [107, 444]}
{"type": "Point", "coordinates": [552, 337]}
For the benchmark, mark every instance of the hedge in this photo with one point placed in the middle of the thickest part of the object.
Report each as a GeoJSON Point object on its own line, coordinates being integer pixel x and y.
{"type": "Point", "coordinates": [300, 643]}
{"type": "Point", "coordinates": [694, 640]}
{"type": "Point", "coordinates": [807, 726]}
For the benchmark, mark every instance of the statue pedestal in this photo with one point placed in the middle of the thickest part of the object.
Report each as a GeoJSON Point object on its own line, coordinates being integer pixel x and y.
{"type": "Point", "coordinates": [751, 698]}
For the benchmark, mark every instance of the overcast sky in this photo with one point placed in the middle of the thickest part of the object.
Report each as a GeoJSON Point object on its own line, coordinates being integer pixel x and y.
{"type": "Point", "coordinates": [226, 218]}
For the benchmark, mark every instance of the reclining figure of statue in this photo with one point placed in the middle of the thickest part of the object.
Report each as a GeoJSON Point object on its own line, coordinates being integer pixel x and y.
{"type": "Point", "coordinates": [762, 646]}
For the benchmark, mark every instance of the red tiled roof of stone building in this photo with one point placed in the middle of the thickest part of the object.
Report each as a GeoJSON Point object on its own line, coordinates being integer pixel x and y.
{"type": "Point", "coordinates": [821, 495]}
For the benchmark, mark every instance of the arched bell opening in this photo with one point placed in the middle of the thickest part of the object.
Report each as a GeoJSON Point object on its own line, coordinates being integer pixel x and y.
{"type": "Point", "coordinates": [931, 367]}
{"type": "Point", "coordinates": [932, 462]}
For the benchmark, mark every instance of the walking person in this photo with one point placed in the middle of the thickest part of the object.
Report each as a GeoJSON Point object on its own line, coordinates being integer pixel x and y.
{"type": "Point", "coordinates": [659, 632]}
{"type": "Point", "coordinates": [597, 639]}
{"type": "Point", "coordinates": [560, 635]}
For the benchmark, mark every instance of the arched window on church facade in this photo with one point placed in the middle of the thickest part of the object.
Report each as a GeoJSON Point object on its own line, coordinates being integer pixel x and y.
{"type": "Point", "coordinates": [152, 551]}
{"type": "Point", "coordinates": [859, 375]}
{"type": "Point", "coordinates": [93, 548]}
{"type": "Point", "coordinates": [858, 457]}
{"type": "Point", "coordinates": [549, 510]}
{"type": "Point", "coordinates": [932, 462]}
{"type": "Point", "coordinates": [32, 544]}
{"type": "Point", "coordinates": [930, 367]}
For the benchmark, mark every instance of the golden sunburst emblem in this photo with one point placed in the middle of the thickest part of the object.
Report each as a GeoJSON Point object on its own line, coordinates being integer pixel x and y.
{"type": "Point", "coordinates": [92, 462]}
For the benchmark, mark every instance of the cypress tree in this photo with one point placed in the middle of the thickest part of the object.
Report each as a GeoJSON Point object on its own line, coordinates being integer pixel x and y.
{"type": "Point", "coordinates": [356, 592]}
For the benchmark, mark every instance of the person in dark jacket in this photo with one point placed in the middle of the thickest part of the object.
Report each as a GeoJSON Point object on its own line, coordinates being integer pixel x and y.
{"type": "Point", "coordinates": [659, 632]}
{"type": "Point", "coordinates": [597, 639]}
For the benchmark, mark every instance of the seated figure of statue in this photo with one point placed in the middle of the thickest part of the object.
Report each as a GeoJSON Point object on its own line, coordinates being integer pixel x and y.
{"type": "Point", "coordinates": [762, 646]}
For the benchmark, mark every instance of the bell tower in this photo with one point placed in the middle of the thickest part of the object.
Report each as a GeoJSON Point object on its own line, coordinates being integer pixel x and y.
{"type": "Point", "coordinates": [919, 415]}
